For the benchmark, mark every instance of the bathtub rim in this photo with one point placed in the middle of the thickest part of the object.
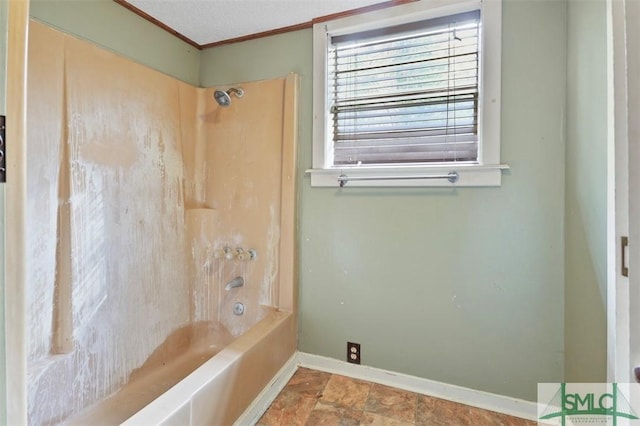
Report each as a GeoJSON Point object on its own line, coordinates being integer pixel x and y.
{"type": "Point", "coordinates": [182, 393]}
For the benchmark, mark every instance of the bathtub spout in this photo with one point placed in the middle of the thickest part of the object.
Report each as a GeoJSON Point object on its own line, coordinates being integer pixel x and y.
{"type": "Point", "coordinates": [236, 282]}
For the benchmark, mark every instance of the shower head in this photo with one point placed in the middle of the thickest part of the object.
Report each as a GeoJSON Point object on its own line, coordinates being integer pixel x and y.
{"type": "Point", "coordinates": [224, 98]}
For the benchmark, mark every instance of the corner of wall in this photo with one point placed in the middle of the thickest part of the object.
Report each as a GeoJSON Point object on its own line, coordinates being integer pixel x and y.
{"type": "Point", "coordinates": [586, 193]}
{"type": "Point", "coordinates": [111, 26]}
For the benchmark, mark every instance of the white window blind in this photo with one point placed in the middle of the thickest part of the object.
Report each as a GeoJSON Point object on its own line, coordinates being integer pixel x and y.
{"type": "Point", "coordinates": [406, 94]}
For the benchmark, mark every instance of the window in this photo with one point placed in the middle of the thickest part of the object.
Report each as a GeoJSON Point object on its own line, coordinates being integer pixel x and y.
{"type": "Point", "coordinates": [409, 96]}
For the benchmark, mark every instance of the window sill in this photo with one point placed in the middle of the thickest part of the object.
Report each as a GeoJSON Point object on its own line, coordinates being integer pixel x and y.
{"type": "Point", "coordinates": [468, 175]}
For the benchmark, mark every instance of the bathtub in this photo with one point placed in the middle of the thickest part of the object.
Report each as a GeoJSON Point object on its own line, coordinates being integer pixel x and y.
{"type": "Point", "coordinates": [215, 393]}
{"type": "Point", "coordinates": [125, 284]}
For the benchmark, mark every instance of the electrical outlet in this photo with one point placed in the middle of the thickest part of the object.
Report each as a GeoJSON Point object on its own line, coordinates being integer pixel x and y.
{"type": "Point", "coordinates": [353, 353]}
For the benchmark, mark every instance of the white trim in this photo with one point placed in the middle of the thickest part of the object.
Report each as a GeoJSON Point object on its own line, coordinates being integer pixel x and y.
{"type": "Point", "coordinates": [397, 15]}
{"type": "Point", "coordinates": [468, 175]}
{"type": "Point", "coordinates": [618, 331]}
{"type": "Point", "coordinates": [613, 81]}
{"type": "Point", "coordinates": [487, 401]}
{"type": "Point", "coordinates": [323, 174]}
{"type": "Point", "coordinates": [490, 82]}
{"type": "Point", "coordinates": [632, 30]}
{"type": "Point", "coordinates": [320, 38]}
{"type": "Point", "coordinates": [266, 397]}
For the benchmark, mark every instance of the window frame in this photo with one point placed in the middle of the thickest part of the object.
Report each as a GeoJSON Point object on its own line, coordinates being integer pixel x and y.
{"type": "Point", "coordinates": [488, 169]}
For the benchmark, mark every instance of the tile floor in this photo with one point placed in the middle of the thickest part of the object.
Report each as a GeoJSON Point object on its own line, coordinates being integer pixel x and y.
{"type": "Point", "coordinates": [314, 398]}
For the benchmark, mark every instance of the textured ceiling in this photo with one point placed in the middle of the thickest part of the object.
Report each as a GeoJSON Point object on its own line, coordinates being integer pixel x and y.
{"type": "Point", "coordinates": [210, 21]}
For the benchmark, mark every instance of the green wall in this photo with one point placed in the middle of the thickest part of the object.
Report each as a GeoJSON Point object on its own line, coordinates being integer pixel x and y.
{"type": "Point", "coordinates": [586, 193]}
{"type": "Point", "coordinates": [110, 25]}
{"type": "Point", "coordinates": [463, 286]}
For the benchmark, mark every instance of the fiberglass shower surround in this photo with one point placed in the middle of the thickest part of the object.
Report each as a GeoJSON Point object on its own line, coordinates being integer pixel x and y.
{"type": "Point", "coordinates": [143, 207]}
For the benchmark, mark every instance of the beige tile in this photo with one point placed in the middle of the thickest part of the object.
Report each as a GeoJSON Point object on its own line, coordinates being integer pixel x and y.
{"type": "Point", "coordinates": [314, 398]}
{"type": "Point", "coordinates": [308, 382]}
{"type": "Point", "coordinates": [478, 416]}
{"type": "Point", "coordinates": [289, 408]}
{"type": "Point", "coordinates": [393, 403]}
{"type": "Point", "coordinates": [325, 414]}
{"type": "Point", "coordinates": [371, 419]}
{"type": "Point", "coordinates": [439, 412]}
{"type": "Point", "coordinates": [346, 392]}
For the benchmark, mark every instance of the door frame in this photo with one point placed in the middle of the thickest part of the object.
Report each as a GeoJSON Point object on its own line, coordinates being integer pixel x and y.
{"type": "Point", "coordinates": [623, 199]}
{"type": "Point", "coordinates": [15, 213]}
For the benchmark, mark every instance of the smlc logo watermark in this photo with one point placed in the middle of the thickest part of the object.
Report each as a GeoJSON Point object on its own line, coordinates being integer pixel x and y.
{"type": "Point", "coordinates": [569, 404]}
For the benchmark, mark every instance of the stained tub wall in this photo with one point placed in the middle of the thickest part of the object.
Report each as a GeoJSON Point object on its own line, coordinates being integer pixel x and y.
{"type": "Point", "coordinates": [220, 390]}
{"type": "Point", "coordinates": [134, 178]}
{"type": "Point", "coordinates": [106, 217]}
{"type": "Point", "coordinates": [244, 157]}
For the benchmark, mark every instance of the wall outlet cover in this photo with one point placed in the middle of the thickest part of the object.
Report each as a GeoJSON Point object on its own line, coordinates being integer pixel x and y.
{"type": "Point", "coordinates": [353, 353]}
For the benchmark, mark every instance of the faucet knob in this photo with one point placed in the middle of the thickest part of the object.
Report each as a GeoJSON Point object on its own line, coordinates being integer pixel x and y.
{"type": "Point", "coordinates": [228, 254]}
{"type": "Point", "coordinates": [245, 255]}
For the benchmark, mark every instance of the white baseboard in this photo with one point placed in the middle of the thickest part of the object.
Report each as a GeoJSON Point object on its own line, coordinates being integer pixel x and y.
{"type": "Point", "coordinates": [264, 399]}
{"type": "Point", "coordinates": [485, 400]}
{"type": "Point", "coordinates": [475, 398]}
